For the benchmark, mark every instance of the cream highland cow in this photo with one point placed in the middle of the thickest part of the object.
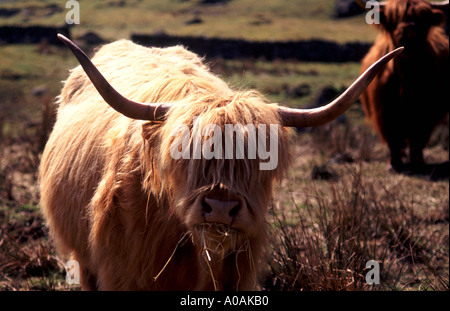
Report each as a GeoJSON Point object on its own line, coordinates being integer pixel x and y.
{"type": "Point", "coordinates": [135, 217]}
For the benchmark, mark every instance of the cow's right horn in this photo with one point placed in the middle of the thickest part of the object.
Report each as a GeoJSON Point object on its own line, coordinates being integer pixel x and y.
{"type": "Point", "coordinates": [129, 108]}
{"type": "Point", "coordinates": [325, 114]}
{"type": "Point", "coordinates": [440, 5]}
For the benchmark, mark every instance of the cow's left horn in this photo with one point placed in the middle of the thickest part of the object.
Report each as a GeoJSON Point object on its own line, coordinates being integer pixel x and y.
{"type": "Point", "coordinates": [129, 108]}
{"type": "Point", "coordinates": [440, 5]}
{"type": "Point", "coordinates": [325, 114]}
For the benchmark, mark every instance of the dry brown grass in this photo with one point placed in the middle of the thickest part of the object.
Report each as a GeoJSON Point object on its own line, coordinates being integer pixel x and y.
{"type": "Point", "coordinates": [324, 231]}
{"type": "Point", "coordinates": [27, 258]}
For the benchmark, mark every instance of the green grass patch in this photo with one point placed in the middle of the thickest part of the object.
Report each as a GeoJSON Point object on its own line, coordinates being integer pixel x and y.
{"type": "Point", "coordinates": [24, 68]}
{"type": "Point", "coordinates": [263, 20]}
{"type": "Point", "coordinates": [278, 79]}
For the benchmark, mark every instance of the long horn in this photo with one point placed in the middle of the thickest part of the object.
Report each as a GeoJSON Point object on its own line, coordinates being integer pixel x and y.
{"type": "Point", "coordinates": [440, 5]}
{"type": "Point", "coordinates": [325, 114]}
{"type": "Point", "coordinates": [129, 108]}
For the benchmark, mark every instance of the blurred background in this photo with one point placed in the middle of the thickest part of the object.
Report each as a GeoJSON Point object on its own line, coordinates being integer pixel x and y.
{"type": "Point", "coordinates": [338, 208]}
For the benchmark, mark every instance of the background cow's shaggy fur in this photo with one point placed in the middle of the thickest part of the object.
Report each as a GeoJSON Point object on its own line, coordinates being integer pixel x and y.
{"type": "Point", "coordinates": [117, 202]}
{"type": "Point", "coordinates": [408, 98]}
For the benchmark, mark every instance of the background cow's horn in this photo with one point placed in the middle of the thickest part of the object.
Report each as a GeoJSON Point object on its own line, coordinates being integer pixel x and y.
{"type": "Point", "coordinates": [325, 114]}
{"type": "Point", "coordinates": [129, 108]}
{"type": "Point", "coordinates": [440, 5]}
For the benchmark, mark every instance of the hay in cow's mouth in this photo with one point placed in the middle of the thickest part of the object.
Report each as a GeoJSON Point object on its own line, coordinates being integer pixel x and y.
{"type": "Point", "coordinates": [216, 241]}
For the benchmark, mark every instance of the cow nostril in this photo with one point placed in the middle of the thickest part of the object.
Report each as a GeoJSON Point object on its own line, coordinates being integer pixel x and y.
{"type": "Point", "coordinates": [206, 207]}
{"type": "Point", "coordinates": [235, 210]}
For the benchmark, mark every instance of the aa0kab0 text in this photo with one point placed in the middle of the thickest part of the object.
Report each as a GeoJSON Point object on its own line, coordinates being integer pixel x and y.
{"type": "Point", "coordinates": [235, 300]}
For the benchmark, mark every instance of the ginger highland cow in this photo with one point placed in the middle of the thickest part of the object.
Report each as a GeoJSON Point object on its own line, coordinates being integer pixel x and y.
{"type": "Point", "coordinates": [133, 216]}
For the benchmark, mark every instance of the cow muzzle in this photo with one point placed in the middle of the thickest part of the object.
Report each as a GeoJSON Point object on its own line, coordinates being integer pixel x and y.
{"type": "Point", "coordinates": [221, 211]}
{"type": "Point", "coordinates": [219, 206]}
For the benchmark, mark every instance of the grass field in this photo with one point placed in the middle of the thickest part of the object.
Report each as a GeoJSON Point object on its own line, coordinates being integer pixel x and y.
{"type": "Point", "coordinates": [248, 19]}
{"type": "Point", "coordinates": [338, 207]}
